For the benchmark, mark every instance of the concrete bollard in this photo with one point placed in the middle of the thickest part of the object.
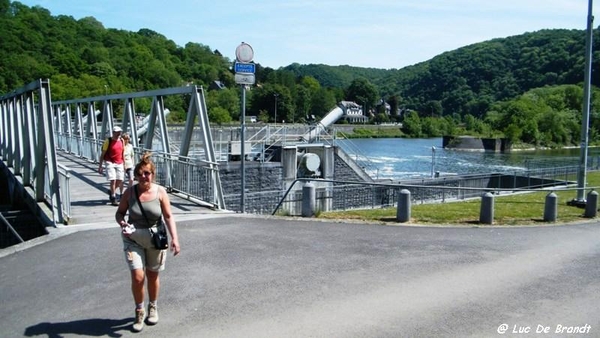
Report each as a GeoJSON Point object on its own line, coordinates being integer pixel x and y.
{"type": "Point", "coordinates": [486, 213]}
{"type": "Point", "coordinates": [403, 210]}
{"type": "Point", "coordinates": [591, 205]}
{"type": "Point", "coordinates": [551, 208]}
{"type": "Point", "coordinates": [309, 200]}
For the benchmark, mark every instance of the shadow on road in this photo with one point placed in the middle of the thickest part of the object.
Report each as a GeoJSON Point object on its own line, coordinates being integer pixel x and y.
{"type": "Point", "coordinates": [85, 327]}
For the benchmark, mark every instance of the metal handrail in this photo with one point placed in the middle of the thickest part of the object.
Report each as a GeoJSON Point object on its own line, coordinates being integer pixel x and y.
{"type": "Point", "coordinates": [363, 160]}
{"type": "Point", "coordinates": [10, 228]}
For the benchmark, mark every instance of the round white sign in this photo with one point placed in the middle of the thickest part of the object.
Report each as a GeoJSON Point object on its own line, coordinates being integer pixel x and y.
{"type": "Point", "coordinates": [244, 53]}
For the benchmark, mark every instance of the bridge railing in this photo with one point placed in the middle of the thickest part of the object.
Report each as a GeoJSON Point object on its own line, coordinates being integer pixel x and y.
{"type": "Point", "coordinates": [64, 191]}
{"type": "Point", "coordinates": [180, 174]}
{"type": "Point", "coordinates": [85, 139]}
{"type": "Point", "coordinates": [26, 121]}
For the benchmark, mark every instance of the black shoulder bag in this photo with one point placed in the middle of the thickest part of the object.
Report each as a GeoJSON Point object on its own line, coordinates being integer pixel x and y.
{"type": "Point", "coordinates": [159, 237]}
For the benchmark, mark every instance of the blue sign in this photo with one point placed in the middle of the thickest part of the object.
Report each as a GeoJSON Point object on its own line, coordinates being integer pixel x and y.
{"type": "Point", "coordinates": [245, 68]}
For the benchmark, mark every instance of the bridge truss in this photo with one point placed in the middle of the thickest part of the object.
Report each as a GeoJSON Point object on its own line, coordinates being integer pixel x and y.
{"type": "Point", "coordinates": [28, 117]}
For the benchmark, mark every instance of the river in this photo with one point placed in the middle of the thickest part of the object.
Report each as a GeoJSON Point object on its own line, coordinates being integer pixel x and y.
{"type": "Point", "coordinates": [401, 158]}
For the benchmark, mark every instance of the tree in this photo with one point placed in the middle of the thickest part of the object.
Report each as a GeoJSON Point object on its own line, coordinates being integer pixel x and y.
{"type": "Point", "coordinates": [219, 115]}
{"type": "Point", "coordinates": [310, 83]}
{"type": "Point", "coordinates": [303, 103]}
{"type": "Point", "coordinates": [412, 124]}
{"type": "Point", "coordinates": [227, 99]}
{"type": "Point", "coordinates": [362, 92]}
{"type": "Point", "coordinates": [434, 107]}
{"type": "Point", "coordinates": [269, 96]}
{"type": "Point", "coordinates": [4, 7]}
{"type": "Point", "coordinates": [322, 102]}
{"type": "Point", "coordinates": [394, 103]}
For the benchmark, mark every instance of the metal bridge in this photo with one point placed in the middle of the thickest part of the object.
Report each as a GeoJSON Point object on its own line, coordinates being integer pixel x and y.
{"type": "Point", "coordinates": [49, 149]}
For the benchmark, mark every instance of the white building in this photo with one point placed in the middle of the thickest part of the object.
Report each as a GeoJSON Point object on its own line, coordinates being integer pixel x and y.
{"type": "Point", "coordinates": [354, 112]}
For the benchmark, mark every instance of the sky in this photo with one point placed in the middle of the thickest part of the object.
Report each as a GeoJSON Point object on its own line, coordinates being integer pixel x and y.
{"type": "Point", "coordinates": [363, 33]}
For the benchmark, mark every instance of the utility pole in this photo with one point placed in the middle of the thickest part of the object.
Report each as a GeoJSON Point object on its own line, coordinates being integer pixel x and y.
{"type": "Point", "coordinates": [276, 95]}
{"type": "Point", "coordinates": [585, 121]}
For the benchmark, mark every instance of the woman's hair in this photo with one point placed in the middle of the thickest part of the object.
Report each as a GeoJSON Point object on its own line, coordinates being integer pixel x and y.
{"type": "Point", "coordinates": [125, 137]}
{"type": "Point", "coordinates": [145, 161]}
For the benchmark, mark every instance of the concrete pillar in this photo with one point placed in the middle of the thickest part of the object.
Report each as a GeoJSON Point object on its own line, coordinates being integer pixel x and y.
{"type": "Point", "coordinates": [309, 200]}
{"type": "Point", "coordinates": [486, 214]}
{"type": "Point", "coordinates": [551, 207]}
{"type": "Point", "coordinates": [288, 161]}
{"type": "Point", "coordinates": [328, 162]}
{"type": "Point", "coordinates": [328, 171]}
{"type": "Point", "coordinates": [403, 210]}
{"type": "Point", "coordinates": [591, 205]}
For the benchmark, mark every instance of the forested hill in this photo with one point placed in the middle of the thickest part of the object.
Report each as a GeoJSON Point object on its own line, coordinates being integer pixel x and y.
{"type": "Point", "coordinates": [467, 80]}
{"type": "Point", "coordinates": [83, 58]}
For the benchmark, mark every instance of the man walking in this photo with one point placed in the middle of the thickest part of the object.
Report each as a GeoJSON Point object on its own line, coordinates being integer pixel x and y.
{"type": "Point", "coordinates": [112, 154]}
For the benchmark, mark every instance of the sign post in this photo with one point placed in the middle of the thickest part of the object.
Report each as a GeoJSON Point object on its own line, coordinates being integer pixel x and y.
{"type": "Point", "coordinates": [244, 76]}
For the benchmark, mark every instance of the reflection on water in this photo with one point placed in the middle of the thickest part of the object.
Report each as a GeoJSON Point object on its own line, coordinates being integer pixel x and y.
{"type": "Point", "coordinates": [398, 158]}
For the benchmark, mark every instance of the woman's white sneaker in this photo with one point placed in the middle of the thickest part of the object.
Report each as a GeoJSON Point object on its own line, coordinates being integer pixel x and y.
{"type": "Point", "coordinates": [152, 314]}
{"type": "Point", "coordinates": [140, 315]}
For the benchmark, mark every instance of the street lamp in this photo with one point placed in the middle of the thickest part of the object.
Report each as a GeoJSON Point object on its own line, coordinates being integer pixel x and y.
{"type": "Point", "coordinates": [221, 144]}
{"type": "Point", "coordinates": [276, 95]}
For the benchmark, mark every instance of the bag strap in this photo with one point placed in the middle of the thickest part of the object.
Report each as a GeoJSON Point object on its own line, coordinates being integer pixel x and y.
{"type": "Point", "coordinates": [137, 197]}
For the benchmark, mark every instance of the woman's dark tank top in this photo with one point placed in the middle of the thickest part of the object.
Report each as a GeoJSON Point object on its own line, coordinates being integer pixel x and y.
{"type": "Point", "coordinates": [152, 209]}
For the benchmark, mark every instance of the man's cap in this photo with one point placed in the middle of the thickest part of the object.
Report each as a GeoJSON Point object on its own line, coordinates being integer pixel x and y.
{"type": "Point", "coordinates": [117, 130]}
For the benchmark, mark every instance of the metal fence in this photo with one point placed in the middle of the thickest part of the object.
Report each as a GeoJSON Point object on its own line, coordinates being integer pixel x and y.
{"type": "Point", "coordinates": [340, 195]}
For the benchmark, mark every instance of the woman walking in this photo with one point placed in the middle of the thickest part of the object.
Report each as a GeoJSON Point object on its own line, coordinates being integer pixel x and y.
{"type": "Point", "coordinates": [128, 155]}
{"type": "Point", "coordinates": [146, 202]}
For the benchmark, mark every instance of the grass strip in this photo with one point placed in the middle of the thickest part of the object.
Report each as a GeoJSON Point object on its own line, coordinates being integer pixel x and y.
{"type": "Point", "coordinates": [514, 209]}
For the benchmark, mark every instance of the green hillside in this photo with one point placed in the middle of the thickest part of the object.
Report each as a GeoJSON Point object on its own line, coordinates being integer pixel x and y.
{"type": "Point", "coordinates": [481, 88]}
{"type": "Point", "coordinates": [469, 79]}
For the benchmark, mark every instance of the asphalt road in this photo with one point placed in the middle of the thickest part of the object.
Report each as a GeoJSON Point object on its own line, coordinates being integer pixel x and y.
{"type": "Point", "coordinates": [244, 276]}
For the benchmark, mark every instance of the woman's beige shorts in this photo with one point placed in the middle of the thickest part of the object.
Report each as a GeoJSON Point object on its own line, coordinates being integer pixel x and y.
{"type": "Point", "coordinates": [140, 252]}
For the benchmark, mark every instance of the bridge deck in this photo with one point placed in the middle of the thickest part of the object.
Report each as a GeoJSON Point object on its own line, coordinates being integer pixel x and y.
{"type": "Point", "coordinates": [89, 194]}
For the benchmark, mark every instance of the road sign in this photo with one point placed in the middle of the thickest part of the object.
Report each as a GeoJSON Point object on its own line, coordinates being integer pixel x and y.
{"type": "Point", "coordinates": [241, 67]}
{"type": "Point", "coordinates": [244, 52]}
{"type": "Point", "coordinates": [244, 78]}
